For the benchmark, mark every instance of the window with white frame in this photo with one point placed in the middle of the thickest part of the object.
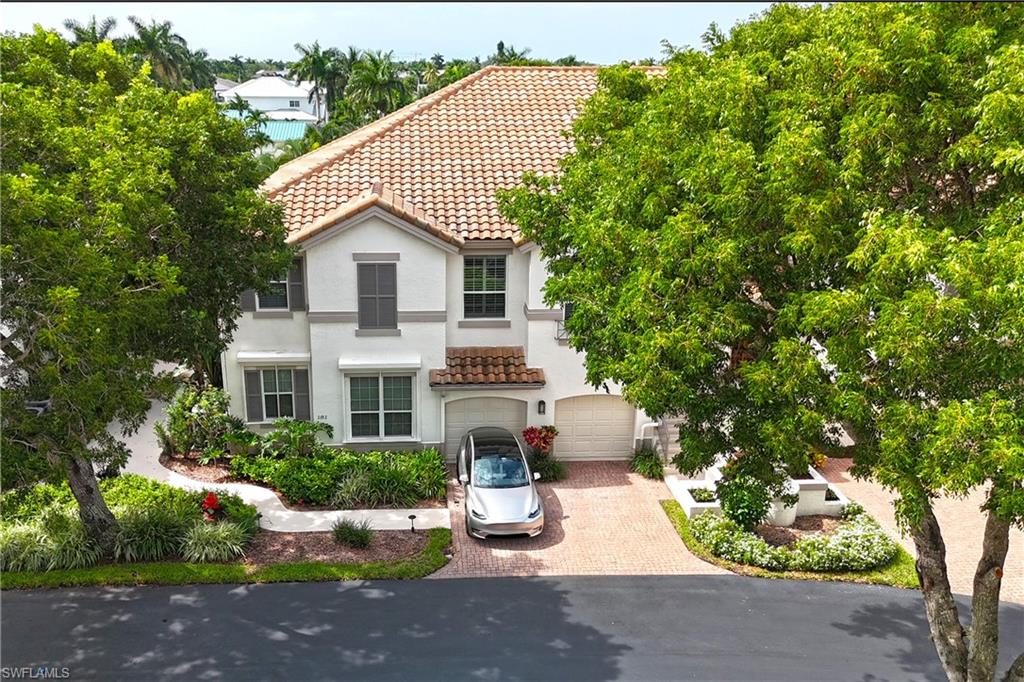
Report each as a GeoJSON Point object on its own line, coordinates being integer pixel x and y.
{"type": "Point", "coordinates": [293, 104]}
{"type": "Point", "coordinates": [276, 296]}
{"type": "Point", "coordinates": [381, 406]}
{"type": "Point", "coordinates": [483, 286]}
{"type": "Point", "coordinates": [275, 392]}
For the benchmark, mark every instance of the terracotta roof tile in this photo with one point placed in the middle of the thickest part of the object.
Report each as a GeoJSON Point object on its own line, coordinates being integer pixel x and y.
{"type": "Point", "coordinates": [444, 155]}
{"type": "Point", "coordinates": [486, 365]}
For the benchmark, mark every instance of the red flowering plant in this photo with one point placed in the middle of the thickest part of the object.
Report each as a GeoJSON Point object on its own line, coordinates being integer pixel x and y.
{"type": "Point", "coordinates": [211, 507]}
{"type": "Point", "coordinates": [540, 438]}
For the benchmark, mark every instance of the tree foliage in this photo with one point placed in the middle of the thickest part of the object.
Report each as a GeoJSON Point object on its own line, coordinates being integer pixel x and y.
{"type": "Point", "coordinates": [818, 221]}
{"type": "Point", "coordinates": [131, 225]}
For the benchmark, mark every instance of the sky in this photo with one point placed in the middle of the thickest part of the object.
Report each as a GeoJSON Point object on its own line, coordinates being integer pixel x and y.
{"type": "Point", "coordinates": [601, 33]}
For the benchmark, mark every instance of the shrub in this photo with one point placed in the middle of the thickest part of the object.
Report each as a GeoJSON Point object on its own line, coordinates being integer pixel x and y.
{"type": "Point", "coordinates": [726, 539]}
{"type": "Point", "coordinates": [56, 541]}
{"type": "Point", "coordinates": [198, 421]}
{"type": "Point", "coordinates": [549, 468]}
{"type": "Point", "coordinates": [68, 543]}
{"type": "Point", "coordinates": [540, 438]}
{"type": "Point", "coordinates": [347, 479]}
{"type": "Point", "coordinates": [294, 438]}
{"type": "Point", "coordinates": [703, 494]}
{"type": "Point", "coordinates": [353, 491]}
{"type": "Point", "coordinates": [352, 534]}
{"type": "Point", "coordinates": [647, 463]}
{"type": "Point", "coordinates": [151, 533]}
{"type": "Point", "coordinates": [205, 542]}
{"type": "Point", "coordinates": [41, 530]}
{"type": "Point", "coordinates": [310, 479]}
{"type": "Point", "coordinates": [23, 547]}
{"type": "Point", "coordinates": [856, 545]}
{"type": "Point", "coordinates": [744, 500]}
{"type": "Point", "coordinates": [851, 511]}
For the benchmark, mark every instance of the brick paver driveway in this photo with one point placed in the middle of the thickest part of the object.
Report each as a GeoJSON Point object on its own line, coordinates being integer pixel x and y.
{"type": "Point", "coordinates": [962, 525]}
{"type": "Point", "coordinates": [603, 519]}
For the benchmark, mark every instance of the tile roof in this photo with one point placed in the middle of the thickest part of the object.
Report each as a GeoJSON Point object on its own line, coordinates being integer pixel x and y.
{"type": "Point", "coordinates": [486, 366]}
{"type": "Point", "coordinates": [448, 152]}
{"type": "Point", "coordinates": [376, 195]}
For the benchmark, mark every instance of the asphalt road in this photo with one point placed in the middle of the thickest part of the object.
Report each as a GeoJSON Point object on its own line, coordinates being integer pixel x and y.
{"type": "Point", "coordinates": [585, 628]}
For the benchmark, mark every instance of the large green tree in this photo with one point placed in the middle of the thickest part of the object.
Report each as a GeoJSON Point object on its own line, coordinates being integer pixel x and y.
{"type": "Point", "coordinates": [131, 222]}
{"type": "Point", "coordinates": [815, 222]}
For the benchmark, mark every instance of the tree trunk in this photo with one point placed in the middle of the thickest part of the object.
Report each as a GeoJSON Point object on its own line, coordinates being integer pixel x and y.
{"type": "Point", "coordinates": [92, 508]}
{"type": "Point", "coordinates": [984, 651]}
{"type": "Point", "coordinates": [944, 622]}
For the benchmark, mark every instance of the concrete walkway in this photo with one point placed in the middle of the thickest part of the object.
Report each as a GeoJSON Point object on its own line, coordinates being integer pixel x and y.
{"type": "Point", "coordinates": [145, 461]}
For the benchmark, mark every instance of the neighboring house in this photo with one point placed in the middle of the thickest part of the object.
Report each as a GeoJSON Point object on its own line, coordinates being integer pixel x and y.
{"type": "Point", "coordinates": [278, 97]}
{"type": "Point", "coordinates": [414, 311]}
{"type": "Point", "coordinates": [220, 86]}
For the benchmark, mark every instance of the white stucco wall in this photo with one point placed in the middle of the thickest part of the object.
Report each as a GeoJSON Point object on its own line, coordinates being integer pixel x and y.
{"type": "Point", "coordinates": [272, 103]}
{"type": "Point", "coordinates": [429, 280]}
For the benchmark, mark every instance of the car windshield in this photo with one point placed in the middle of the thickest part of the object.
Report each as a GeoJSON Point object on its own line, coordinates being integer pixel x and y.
{"type": "Point", "coordinates": [499, 470]}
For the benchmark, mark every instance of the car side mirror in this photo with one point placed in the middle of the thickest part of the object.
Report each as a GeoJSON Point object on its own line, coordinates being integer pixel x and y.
{"type": "Point", "coordinates": [464, 479]}
{"type": "Point", "coordinates": [536, 475]}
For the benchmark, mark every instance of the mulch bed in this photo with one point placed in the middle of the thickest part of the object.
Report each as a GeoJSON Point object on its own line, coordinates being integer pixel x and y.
{"type": "Point", "coordinates": [187, 465]}
{"type": "Point", "coordinates": [271, 547]}
{"type": "Point", "coordinates": [781, 536]}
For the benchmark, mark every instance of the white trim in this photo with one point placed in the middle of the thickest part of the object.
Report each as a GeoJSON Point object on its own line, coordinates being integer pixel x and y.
{"type": "Point", "coordinates": [346, 407]}
{"type": "Point", "coordinates": [253, 357]}
{"type": "Point", "coordinates": [369, 363]}
{"type": "Point", "coordinates": [504, 292]}
{"type": "Point", "coordinates": [287, 298]}
{"type": "Point", "coordinates": [377, 212]}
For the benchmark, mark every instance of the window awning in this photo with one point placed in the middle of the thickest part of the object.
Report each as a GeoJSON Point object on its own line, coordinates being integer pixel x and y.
{"type": "Point", "coordinates": [268, 356]}
{"type": "Point", "coordinates": [389, 361]}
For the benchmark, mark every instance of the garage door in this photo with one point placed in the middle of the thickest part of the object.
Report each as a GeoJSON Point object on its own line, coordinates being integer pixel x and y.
{"type": "Point", "coordinates": [468, 413]}
{"type": "Point", "coordinates": [594, 427]}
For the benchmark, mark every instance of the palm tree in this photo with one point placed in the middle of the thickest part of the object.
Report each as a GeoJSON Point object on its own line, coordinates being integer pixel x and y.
{"type": "Point", "coordinates": [166, 51]}
{"type": "Point", "coordinates": [199, 70]}
{"type": "Point", "coordinates": [508, 55]}
{"type": "Point", "coordinates": [94, 32]}
{"type": "Point", "coordinates": [377, 83]}
{"type": "Point", "coordinates": [313, 65]}
{"type": "Point", "coordinates": [238, 104]}
{"type": "Point", "coordinates": [238, 63]}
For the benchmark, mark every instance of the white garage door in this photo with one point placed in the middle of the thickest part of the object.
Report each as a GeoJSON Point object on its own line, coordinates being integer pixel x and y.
{"type": "Point", "coordinates": [468, 413]}
{"type": "Point", "coordinates": [594, 427]}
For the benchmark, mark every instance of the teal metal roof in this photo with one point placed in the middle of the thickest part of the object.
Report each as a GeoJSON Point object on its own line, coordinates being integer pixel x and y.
{"type": "Point", "coordinates": [277, 131]}
{"type": "Point", "coordinates": [282, 131]}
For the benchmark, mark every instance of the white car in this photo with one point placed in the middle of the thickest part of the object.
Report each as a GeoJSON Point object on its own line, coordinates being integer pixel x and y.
{"type": "Point", "coordinates": [500, 493]}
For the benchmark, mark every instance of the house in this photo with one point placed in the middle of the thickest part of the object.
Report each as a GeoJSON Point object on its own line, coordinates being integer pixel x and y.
{"type": "Point", "coordinates": [414, 311]}
{"type": "Point", "coordinates": [278, 97]}
{"type": "Point", "coordinates": [220, 86]}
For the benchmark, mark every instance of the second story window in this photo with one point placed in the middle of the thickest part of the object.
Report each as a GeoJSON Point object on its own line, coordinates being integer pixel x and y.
{"type": "Point", "coordinates": [560, 331]}
{"type": "Point", "coordinates": [483, 286]}
{"type": "Point", "coordinates": [378, 300]}
{"type": "Point", "coordinates": [275, 297]}
{"type": "Point", "coordinates": [293, 104]}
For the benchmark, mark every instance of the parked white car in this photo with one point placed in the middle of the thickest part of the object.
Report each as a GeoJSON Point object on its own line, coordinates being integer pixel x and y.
{"type": "Point", "coordinates": [500, 492]}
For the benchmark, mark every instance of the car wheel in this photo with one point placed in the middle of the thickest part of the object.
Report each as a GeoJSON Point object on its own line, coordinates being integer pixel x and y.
{"type": "Point", "coordinates": [465, 512]}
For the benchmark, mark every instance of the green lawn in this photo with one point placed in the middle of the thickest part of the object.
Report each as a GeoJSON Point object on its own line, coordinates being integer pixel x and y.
{"type": "Point", "coordinates": [174, 573]}
{"type": "Point", "coordinates": [899, 573]}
